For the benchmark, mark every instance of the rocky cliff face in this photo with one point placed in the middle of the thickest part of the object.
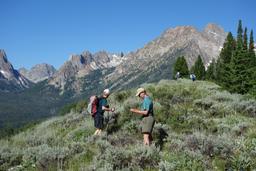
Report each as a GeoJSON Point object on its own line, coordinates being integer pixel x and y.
{"type": "Point", "coordinates": [10, 79]}
{"type": "Point", "coordinates": [82, 65]}
{"type": "Point", "coordinates": [158, 55]}
{"type": "Point", "coordinates": [39, 72]}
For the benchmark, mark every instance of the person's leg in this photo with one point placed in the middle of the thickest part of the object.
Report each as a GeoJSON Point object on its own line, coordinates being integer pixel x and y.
{"type": "Point", "coordinates": [96, 123]}
{"type": "Point", "coordinates": [146, 139]}
{"type": "Point", "coordinates": [150, 138]}
{"type": "Point", "coordinates": [96, 132]}
{"type": "Point", "coordinates": [101, 122]}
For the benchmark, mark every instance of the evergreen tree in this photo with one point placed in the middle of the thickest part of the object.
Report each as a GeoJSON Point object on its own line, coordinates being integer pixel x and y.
{"type": "Point", "coordinates": [199, 69]}
{"type": "Point", "coordinates": [240, 34]}
{"type": "Point", "coordinates": [211, 71]}
{"type": "Point", "coordinates": [181, 66]}
{"type": "Point", "coordinates": [239, 75]}
{"type": "Point", "coordinates": [245, 39]}
{"type": "Point", "coordinates": [252, 69]}
{"type": "Point", "coordinates": [251, 50]}
{"type": "Point", "coordinates": [223, 62]}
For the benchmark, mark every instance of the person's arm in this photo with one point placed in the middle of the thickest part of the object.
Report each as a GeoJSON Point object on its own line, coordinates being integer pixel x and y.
{"type": "Point", "coordinates": [140, 112]}
{"type": "Point", "coordinates": [108, 109]}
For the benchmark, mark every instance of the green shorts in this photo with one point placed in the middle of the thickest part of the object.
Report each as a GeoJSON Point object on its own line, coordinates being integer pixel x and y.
{"type": "Point", "coordinates": [147, 124]}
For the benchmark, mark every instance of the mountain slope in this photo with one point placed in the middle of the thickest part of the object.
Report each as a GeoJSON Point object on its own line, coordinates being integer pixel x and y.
{"type": "Point", "coordinates": [199, 127]}
{"type": "Point", "coordinates": [162, 52]}
{"type": "Point", "coordinates": [11, 79]}
{"type": "Point", "coordinates": [34, 104]}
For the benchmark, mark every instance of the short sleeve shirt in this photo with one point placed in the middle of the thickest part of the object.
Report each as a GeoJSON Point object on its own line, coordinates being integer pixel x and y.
{"type": "Point", "coordinates": [102, 102]}
{"type": "Point", "coordinates": [147, 105]}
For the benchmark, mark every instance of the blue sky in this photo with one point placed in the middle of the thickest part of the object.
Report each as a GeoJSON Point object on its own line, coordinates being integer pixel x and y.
{"type": "Point", "coordinates": [48, 31]}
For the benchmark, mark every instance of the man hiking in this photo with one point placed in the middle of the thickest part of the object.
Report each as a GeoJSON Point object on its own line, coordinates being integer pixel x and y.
{"type": "Point", "coordinates": [102, 106]}
{"type": "Point", "coordinates": [147, 113]}
{"type": "Point", "coordinates": [177, 76]}
{"type": "Point", "coordinates": [192, 77]}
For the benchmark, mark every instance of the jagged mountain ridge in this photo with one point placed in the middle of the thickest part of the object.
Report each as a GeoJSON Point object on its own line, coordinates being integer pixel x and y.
{"type": "Point", "coordinates": [38, 72]}
{"type": "Point", "coordinates": [79, 66]}
{"type": "Point", "coordinates": [148, 64]}
{"type": "Point", "coordinates": [11, 79]}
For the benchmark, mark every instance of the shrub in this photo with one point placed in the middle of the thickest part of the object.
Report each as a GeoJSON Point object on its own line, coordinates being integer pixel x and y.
{"type": "Point", "coordinates": [122, 96]}
{"type": "Point", "coordinates": [117, 158]}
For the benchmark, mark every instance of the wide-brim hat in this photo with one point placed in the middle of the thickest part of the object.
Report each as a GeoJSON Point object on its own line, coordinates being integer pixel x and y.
{"type": "Point", "coordinates": [140, 90]}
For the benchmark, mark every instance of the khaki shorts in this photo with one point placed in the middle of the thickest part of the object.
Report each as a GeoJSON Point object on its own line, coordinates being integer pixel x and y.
{"type": "Point", "coordinates": [147, 124]}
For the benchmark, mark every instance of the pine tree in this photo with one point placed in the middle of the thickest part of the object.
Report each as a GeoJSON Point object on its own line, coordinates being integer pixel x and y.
{"type": "Point", "coordinates": [252, 69]}
{"type": "Point", "coordinates": [211, 71]}
{"type": "Point", "coordinates": [245, 39]}
{"type": "Point", "coordinates": [239, 32]}
{"type": "Point", "coordinates": [199, 69]}
{"type": "Point", "coordinates": [251, 49]}
{"type": "Point", "coordinates": [223, 62]}
{"type": "Point", "coordinates": [181, 66]}
{"type": "Point", "coordinates": [239, 76]}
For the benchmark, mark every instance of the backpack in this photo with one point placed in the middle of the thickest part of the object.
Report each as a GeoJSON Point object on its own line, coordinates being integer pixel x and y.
{"type": "Point", "coordinates": [93, 105]}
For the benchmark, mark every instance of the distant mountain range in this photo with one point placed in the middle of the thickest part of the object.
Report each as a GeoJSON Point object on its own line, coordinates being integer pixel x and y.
{"type": "Point", "coordinates": [151, 62]}
{"type": "Point", "coordinates": [87, 73]}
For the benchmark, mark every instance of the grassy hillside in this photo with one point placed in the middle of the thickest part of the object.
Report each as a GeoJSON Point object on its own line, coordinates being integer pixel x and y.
{"type": "Point", "coordinates": [199, 127]}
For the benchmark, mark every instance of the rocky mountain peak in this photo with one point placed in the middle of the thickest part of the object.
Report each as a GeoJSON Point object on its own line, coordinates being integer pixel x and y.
{"type": "Point", "coordinates": [38, 72]}
{"type": "Point", "coordinates": [180, 30]}
{"type": "Point", "coordinates": [215, 32]}
{"type": "Point", "coordinates": [6, 67]}
{"type": "Point", "coordinates": [80, 65]}
{"type": "Point", "coordinates": [10, 79]}
{"type": "Point", "coordinates": [214, 28]}
{"type": "Point", "coordinates": [3, 57]}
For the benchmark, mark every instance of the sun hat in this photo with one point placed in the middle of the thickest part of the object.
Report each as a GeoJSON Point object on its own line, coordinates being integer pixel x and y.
{"type": "Point", "coordinates": [140, 90]}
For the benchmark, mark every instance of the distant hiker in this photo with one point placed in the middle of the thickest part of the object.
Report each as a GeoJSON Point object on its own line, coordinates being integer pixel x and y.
{"type": "Point", "coordinates": [102, 106]}
{"type": "Point", "coordinates": [192, 77]}
{"type": "Point", "coordinates": [177, 76]}
{"type": "Point", "coordinates": [147, 113]}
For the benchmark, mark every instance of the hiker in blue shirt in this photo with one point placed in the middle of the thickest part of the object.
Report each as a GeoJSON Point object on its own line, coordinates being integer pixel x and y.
{"type": "Point", "coordinates": [101, 108]}
{"type": "Point", "coordinates": [192, 77]}
{"type": "Point", "coordinates": [147, 112]}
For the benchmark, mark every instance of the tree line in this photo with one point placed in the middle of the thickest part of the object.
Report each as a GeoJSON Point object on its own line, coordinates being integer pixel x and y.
{"type": "Point", "coordinates": [235, 68]}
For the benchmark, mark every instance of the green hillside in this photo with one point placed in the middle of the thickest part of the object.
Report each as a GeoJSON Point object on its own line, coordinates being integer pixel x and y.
{"type": "Point", "coordinates": [199, 127]}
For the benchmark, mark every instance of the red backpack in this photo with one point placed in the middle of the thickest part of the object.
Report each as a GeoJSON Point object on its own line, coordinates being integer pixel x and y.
{"type": "Point", "coordinates": [93, 105]}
